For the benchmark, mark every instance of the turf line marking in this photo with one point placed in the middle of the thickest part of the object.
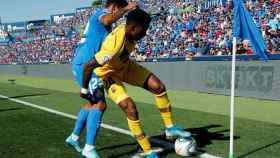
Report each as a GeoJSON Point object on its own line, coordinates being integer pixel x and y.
{"type": "Point", "coordinates": [106, 126]}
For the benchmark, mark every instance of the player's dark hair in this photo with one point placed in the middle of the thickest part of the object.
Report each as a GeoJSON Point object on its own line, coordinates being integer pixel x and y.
{"type": "Point", "coordinates": [138, 16]}
{"type": "Point", "coordinates": [119, 3]}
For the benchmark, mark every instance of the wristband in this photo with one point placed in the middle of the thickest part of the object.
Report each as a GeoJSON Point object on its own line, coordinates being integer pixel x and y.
{"type": "Point", "coordinates": [84, 91]}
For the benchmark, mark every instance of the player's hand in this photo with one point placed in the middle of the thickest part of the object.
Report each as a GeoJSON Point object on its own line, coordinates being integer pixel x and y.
{"type": "Point", "coordinates": [87, 97]}
{"type": "Point", "coordinates": [85, 94]}
{"type": "Point", "coordinates": [131, 6]}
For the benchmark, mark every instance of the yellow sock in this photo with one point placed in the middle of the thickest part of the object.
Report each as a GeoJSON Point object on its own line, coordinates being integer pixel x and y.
{"type": "Point", "coordinates": [135, 128]}
{"type": "Point", "coordinates": [167, 119]}
{"type": "Point", "coordinates": [145, 144]}
{"type": "Point", "coordinates": [163, 104]}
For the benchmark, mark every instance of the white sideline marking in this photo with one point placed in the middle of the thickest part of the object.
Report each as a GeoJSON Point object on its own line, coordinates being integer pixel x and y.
{"type": "Point", "coordinates": [206, 155]}
{"type": "Point", "coordinates": [106, 126]}
{"type": "Point", "coordinates": [116, 129]}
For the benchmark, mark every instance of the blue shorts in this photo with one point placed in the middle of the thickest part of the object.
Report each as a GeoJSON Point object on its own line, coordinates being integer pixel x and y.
{"type": "Point", "coordinates": [95, 85]}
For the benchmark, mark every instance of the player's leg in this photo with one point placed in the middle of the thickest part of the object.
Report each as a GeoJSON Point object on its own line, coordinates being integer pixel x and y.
{"type": "Point", "coordinates": [155, 86]}
{"type": "Point", "coordinates": [73, 139]}
{"type": "Point", "coordinates": [117, 93]}
{"type": "Point", "coordinates": [90, 114]}
{"type": "Point", "coordinates": [94, 118]}
{"type": "Point", "coordinates": [139, 76]}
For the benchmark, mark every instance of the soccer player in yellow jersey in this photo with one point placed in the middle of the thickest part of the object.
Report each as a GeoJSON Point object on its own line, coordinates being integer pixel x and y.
{"type": "Point", "coordinates": [113, 66]}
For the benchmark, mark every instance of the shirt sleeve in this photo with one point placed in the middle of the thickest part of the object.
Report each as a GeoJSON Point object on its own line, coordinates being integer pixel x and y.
{"type": "Point", "coordinates": [111, 46]}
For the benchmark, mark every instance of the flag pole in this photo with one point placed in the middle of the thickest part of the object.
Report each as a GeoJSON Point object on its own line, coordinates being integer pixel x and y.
{"type": "Point", "coordinates": [231, 154]}
{"type": "Point", "coordinates": [245, 28]}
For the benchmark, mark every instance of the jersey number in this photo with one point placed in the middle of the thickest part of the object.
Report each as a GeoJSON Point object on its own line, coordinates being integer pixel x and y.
{"type": "Point", "coordinates": [93, 84]}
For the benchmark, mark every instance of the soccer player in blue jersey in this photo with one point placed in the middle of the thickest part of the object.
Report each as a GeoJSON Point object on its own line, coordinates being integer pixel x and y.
{"type": "Point", "coordinates": [97, 28]}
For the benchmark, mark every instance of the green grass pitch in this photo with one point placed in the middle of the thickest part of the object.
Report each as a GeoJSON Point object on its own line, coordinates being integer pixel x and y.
{"type": "Point", "coordinates": [28, 133]}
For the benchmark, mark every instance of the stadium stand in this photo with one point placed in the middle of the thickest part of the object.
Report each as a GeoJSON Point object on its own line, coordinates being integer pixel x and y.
{"type": "Point", "coordinates": [185, 29]}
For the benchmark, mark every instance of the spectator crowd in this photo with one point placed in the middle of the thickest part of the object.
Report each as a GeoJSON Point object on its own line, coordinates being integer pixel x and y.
{"type": "Point", "coordinates": [180, 28]}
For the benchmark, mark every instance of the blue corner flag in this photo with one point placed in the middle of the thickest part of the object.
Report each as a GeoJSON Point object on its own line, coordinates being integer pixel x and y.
{"type": "Point", "coordinates": [245, 28]}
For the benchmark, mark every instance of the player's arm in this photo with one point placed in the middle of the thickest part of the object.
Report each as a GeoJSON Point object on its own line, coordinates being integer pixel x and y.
{"type": "Point", "coordinates": [110, 18]}
{"type": "Point", "coordinates": [88, 69]}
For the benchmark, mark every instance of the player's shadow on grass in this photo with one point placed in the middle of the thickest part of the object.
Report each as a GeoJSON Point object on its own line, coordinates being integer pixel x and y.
{"type": "Point", "coordinates": [9, 109]}
{"type": "Point", "coordinates": [117, 146]}
{"type": "Point", "coordinates": [133, 148]}
{"type": "Point", "coordinates": [202, 135]}
{"type": "Point", "coordinates": [259, 149]}
{"type": "Point", "coordinates": [26, 96]}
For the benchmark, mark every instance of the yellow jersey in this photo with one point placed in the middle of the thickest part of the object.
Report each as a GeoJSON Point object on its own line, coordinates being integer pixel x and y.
{"type": "Point", "coordinates": [114, 53]}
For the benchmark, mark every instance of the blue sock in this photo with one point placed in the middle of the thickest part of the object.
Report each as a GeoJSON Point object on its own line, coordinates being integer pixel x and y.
{"type": "Point", "coordinates": [93, 124]}
{"type": "Point", "coordinates": [81, 121]}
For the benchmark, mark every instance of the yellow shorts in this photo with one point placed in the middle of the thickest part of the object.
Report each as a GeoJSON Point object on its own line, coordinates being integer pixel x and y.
{"type": "Point", "coordinates": [133, 74]}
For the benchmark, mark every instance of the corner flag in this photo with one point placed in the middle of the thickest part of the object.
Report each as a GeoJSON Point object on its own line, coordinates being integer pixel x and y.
{"type": "Point", "coordinates": [244, 27]}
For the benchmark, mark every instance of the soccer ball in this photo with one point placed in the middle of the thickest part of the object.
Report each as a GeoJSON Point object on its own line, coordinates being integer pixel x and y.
{"type": "Point", "coordinates": [185, 146]}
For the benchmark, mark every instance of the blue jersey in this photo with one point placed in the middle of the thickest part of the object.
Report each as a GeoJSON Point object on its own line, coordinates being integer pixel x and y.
{"type": "Point", "coordinates": [94, 34]}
